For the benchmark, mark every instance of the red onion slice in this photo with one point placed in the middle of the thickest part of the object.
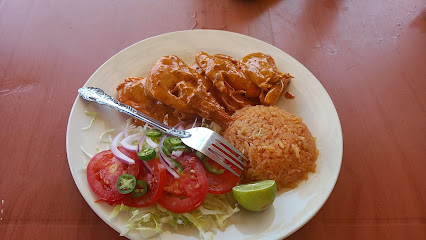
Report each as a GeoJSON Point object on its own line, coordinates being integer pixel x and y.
{"type": "Point", "coordinates": [151, 143]}
{"type": "Point", "coordinates": [148, 169]}
{"type": "Point", "coordinates": [195, 123]}
{"type": "Point", "coordinates": [171, 171]}
{"type": "Point", "coordinates": [161, 152]}
{"type": "Point", "coordinates": [176, 154]}
{"type": "Point", "coordinates": [121, 156]}
{"type": "Point", "coordinates": [179, 126]}
{"type": "Point", "coordinates": [126, 142]}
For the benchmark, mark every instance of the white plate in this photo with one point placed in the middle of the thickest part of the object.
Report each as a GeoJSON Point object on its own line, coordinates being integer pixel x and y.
{"type": "Point", "coordinates": [292, 209]}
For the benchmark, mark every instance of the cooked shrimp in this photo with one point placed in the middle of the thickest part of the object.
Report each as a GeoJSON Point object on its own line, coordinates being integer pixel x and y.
{"type": "Point", "coordinates": [230, 99]}
{"type": "Point", "coordinates": [131, 91]}
{"type": "Point", "coordinates": [222, 69]}
{"type": "Point", "coordinates": [174, 83]}
{"type": "Point", "coordinates": [260, 68]}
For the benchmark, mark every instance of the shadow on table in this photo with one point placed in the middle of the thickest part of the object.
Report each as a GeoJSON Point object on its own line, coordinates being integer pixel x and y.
{"type": "Point", "coordinates": [316, 16]}
{"type": "Point", "coordinates": [419, 22]}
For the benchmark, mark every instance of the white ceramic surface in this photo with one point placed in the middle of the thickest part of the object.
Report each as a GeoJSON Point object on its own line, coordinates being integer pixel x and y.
{"type": "Point", "coordinates": [291, 209]}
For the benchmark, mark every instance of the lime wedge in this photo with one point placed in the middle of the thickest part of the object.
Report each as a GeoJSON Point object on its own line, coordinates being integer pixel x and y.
{"type": "Point", "coordinates": [256, 196]}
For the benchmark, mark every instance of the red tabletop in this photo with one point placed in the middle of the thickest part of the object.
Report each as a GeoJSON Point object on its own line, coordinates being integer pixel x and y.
{"type": "Point", "coordinates": [370, 56]}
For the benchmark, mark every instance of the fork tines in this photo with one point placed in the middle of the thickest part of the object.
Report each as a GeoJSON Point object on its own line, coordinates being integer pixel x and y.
{"type": "Point", "coordinates": [216, 148]}
{"type": "Point", "coordinates": [222, 151]}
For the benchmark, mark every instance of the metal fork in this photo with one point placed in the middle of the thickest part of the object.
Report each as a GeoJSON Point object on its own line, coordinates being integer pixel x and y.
{"type": "Point", "coordinates": [201, 139]}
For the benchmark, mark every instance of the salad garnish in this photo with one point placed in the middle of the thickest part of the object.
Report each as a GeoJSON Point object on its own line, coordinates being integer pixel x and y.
{"type": "Point", "coordinates": [126, 183]}
{"type": "Point", "coordinates": [161, 183]}
{"type": "Point", "coordinates": [90, 114]}
{"type": "Point", "coordinates": [147, 154]}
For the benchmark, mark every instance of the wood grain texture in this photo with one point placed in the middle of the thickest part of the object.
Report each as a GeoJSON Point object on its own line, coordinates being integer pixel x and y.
{"type": "Point", "coordinates": [369, 55]}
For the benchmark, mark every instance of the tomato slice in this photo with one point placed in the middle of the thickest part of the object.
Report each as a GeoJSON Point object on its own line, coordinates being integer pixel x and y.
{"type": "Point", "coordinates": [187, 192]}
{"type": "Point", "coordinates": [221, 183]}
{"type": "Point", "coordinates": [103, 171]}
{"type": "Point", "coordinates": [155, 179]}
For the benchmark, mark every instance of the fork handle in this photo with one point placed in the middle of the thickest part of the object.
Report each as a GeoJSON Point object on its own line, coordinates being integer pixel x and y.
{"type": "Point", "coordinates": [99, 96]}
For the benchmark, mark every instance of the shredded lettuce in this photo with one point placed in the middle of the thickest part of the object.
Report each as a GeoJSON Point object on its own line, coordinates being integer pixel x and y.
{"type": "Point", "coordinates": [90, 156]}
{"type": "Point", "coordinates": [106, 139]}
{"type": "Point", "coordinates": [118, 209]}
{"type": "Point", "coordinates": [208, 218]}
{"type": "Point", "coordinates": [85, 152]}
{"type": "Point", "coordinates": [90, 114]}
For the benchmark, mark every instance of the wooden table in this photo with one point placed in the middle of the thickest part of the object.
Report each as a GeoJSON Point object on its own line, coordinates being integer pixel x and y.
{"type": "Point", "coordinates": [369, 55]}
